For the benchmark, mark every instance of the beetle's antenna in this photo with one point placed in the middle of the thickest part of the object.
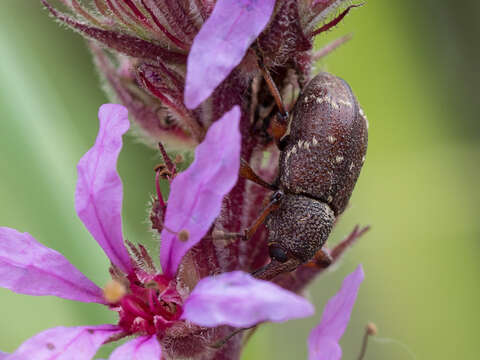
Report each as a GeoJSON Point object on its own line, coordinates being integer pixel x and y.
{"type": "Point", "coordinates": [223, 341]}
{"type": "Point", "coordinates": [247, 233]}
{"type": "Point", "coordinates": [248, 173]}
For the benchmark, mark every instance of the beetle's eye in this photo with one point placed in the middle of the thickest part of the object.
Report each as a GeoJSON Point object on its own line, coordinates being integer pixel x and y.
{"type": "Point", "coordinates": [277, 196]}
{"type": "Point", "coordinates": [277, 253]}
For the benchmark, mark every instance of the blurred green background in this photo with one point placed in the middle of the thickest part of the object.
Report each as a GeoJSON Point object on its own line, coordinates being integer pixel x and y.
{"type": "Point", "coordinates": [414, 68]}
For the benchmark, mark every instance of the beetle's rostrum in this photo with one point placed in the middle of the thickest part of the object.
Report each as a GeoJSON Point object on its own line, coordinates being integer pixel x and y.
{"type": "Point", "coordinates": [320, 161]}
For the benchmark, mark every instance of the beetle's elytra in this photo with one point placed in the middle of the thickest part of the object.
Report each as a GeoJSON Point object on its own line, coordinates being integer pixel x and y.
{"type": "Point", "coordinates": [327, 143]}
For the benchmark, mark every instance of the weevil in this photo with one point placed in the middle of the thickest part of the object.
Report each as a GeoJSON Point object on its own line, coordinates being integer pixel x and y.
{"type": "Point", "coordinates": [323, 145]}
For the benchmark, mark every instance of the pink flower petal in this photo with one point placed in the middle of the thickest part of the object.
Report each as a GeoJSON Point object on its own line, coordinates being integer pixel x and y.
{"type": "Point", "coordinates": [240, 300]}
{"type": "Point", "coordinates": [141, 348]}
{"type": "Point", "coordinates": [326, 348]}
{"type": "Point", "coordinates": [28, 267]}
{"type": "Point", "coordinates": [3, 355]}
{"type": "Point", "coordinates": [65, 343]}
{"type": "Point", "coordinates": [196, 194]}
{"type": "Point", "coordinates": [98, 198]}
{"type": "Point", "coordinates": [221, 44]}
{"type": "Point", "coordinates": [323, 340]}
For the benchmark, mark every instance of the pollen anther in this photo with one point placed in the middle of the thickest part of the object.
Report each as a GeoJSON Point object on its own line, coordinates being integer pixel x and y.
{"type": "Point", "coordinates": [114, 291]}
{"type": "Point", "coordinates": [183, 235]}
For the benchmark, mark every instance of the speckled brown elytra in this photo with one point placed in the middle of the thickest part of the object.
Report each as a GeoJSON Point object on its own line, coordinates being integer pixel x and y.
{"type": "Point", "coordinates": [323, 145]}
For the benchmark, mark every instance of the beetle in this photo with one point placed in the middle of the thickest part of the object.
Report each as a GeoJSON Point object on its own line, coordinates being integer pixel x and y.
{"type": "Point", "coordinates": [323, 149]}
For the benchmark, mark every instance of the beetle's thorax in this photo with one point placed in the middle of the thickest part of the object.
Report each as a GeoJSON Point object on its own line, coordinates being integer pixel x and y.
{"type": "Point", "coordinates": [300, 225]}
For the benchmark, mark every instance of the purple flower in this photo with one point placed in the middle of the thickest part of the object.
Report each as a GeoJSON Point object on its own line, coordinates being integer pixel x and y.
{"type": "Point", "coordinates": [215, 299]}
{"type": "Point", "coordinates": [323, 340]}
{"type": "Point", "coordinates": [151, 305]}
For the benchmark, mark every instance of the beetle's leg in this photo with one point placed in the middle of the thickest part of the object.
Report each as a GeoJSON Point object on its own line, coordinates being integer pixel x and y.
{"type": "Point", "coordinates": [247, 172]}
{"type": "Point", "coordinates": [252, 229]}
{"type": "Point", "coordinates": [272, 206]}
{"type": "Point", "coordinates": [322, 259]}
{"type": "Point", "coordinates": [279, 124]}
{"type": "Point", "coordinates": [279, 132]}
{"type": "Point", "coordinates": [274, 91]}
{"type": "Point", "coordinates": [221, 342]}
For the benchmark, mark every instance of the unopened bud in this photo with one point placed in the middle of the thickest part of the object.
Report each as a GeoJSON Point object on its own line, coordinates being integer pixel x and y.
{"type": "Point", "coordinates": [114, 291]}
{"type": "Point", "coordinates": [183, 235]}
{"type": "Point", "coordinates": [179, 159]}
{"type": "Point", "coordinates": [371, 329]}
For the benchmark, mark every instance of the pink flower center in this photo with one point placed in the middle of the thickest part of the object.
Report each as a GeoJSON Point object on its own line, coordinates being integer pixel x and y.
{"type": "Point", "coordinates": [150, 306]}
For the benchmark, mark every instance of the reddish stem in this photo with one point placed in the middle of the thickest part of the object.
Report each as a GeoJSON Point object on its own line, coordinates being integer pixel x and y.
{"type": "Point", "coordinates": [170, 165]}
{"type": "Point", "coordinates": [334, 22]}
{"type": "Point", "coordinates": [159, 190]}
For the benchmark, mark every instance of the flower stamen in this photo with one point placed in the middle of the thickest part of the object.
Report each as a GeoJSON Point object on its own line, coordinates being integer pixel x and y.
{"type": "Point", "coordinates": [183, 235]}
{"type": "Point", "coordinates": [114, 291]}
{"type": "Point", "coordinates": [370, 330]}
